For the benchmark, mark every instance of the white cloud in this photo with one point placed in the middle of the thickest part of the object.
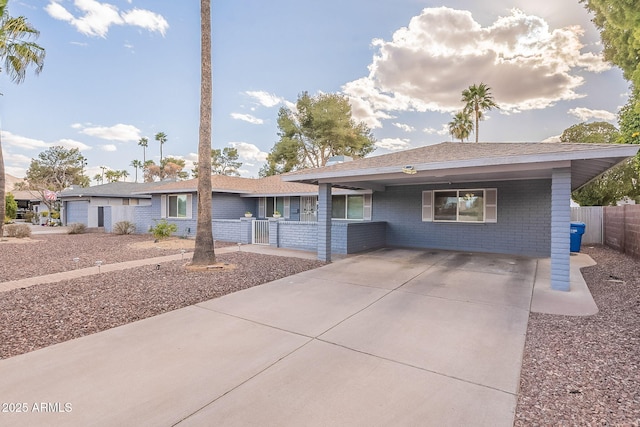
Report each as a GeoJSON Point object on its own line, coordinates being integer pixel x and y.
{"type": "Point", "coordinates": [585, 114]}
{"type": "Point", "coordinates": [95, 18]}
{"type": "Point", "coordinates": [108, 147]}
{"type": "Point", "coordinates": [71, 143]}
{"type": "Point", "coordinates": [393, 144]}
{"type": "Point", "coordinates": [119, 132]}
{"type": "Point", "coordinates": [249, 151]}
{"type": "Point", "coordinates": [265, 99]}
{"type": "Point", "coordinates": [426, 65]}
{"type": "Point", "coordinates": [247, 118]}
{"type": "Point", "coordinates": [22, 141]}
{"type": "Point", "coordinates": [16, 158]}
{"type": "Point", "coordinates": [404, 127]}
{"type": "Point", "coordinates": [147, 20]}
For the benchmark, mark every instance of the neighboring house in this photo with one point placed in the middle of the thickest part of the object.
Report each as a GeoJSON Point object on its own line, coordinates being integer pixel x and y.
{"type": "Point", "coordinates": [234, 196]}
{"type": "Point", "coordinates": [491, 197]}
{"type": "Point", "coordinates": [104, 205]}
{"type": "Point", "coordinates": [27, 201]}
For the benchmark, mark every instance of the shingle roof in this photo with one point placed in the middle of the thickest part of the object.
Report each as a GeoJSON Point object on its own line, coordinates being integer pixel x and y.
{"type": "Point", "coordinates": [112, 189]}
{"type": "Point", "coordinates": [272, 185]}
{"type": "Point", "coordinates": [457, 162]}
{"type": "Point", "coordinates": [455, 151]}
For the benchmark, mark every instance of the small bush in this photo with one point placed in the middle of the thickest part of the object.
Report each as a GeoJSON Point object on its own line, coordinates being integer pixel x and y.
{"type": "Point", "coordinates": [55, 215]}
{"type": "Point", "coordinates": [124, 227]}
{"type": "Point", "coordinates": [44, 214]}
{"type": "Point", "coordinates": [163, 229]}
{"type": "Point", "coordinates": [77, 228]}
{"type": "Point", "coordinates": [28, 216]}
{"type": "Point", "coordinates": [8, 220]}
{"type": "Point", "coordinates": [18, 230]}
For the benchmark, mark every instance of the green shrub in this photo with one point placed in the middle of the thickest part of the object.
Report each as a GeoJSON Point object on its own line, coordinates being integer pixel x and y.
{"type": "Point", "coordinates": [55, 215]}
{"type": "Point", "coordinates": [163, 229]}
{"type": "Point", "coordinates": [124, 227]}
{"type": "Point", "coordinates": [8, 220]}
{"type": "Point", "coordinates": [18, 230]}
{"type": "Point", "coordinates": [10, 206]}
{"type": "Point", "coordinates": [44, 214]}
{"type": "Point", "coordinates": [77, 228]}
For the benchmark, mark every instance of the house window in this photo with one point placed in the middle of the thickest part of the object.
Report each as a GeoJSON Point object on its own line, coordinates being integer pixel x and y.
{"type": "Point", "coordinates": [177, 206]}
{"type": "Point", "coordinates": [472, 205]}
{"type": "Point", "coordinates": [347, 207]}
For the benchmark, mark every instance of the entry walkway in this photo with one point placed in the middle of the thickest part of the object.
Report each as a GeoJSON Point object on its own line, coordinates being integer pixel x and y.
{"type": "Point", "coordinates": [392, 337]}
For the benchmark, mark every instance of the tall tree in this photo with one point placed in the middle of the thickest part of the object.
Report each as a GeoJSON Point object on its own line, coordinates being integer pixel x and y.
{"type": "Point", "coordinates": [170, 167]}
{"type": "Point", "coordinates": [137, 164]}
{"type": "Point", "coordinates": [618, 22]}
{"type": "Point", "coordinates": [18, 53]}
{"type": "Point", "coordinates": [478, 99]}
{"type": "Point", "coordinates": [629, 121]}
{"type": "Point", "coordinates": [204, 252]}
{"type": "Point", "coordinates": [144, 143]}
{"type": "Point", "coordinates": [461, 126]}
{"type": "Point", "coordinates": [161, 137]}
{"type": "Point", "coordinates": [225, 161]}
{"type": "Point", "coordinates": [55, 169]}
{"type": "Point", "coordinates": [320, 127]}
{"type": "Point", "coordinates": [591, 133]}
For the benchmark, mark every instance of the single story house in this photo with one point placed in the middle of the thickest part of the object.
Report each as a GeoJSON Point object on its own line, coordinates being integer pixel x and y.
{"type": "Point", "coordinates": [27, 201]}
{"type": "Point", "coordinates": [103, 205]}
{"type": "Point", "coordinates": [490, 197]}
{"type": "Point", "coordinates": [243, 211]}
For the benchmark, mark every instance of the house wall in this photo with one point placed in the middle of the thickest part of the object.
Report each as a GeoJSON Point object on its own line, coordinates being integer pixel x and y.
{"type": "Point", "coordinates": [347, 237]}
{"type": "Point", "coordinates": [523, 227]}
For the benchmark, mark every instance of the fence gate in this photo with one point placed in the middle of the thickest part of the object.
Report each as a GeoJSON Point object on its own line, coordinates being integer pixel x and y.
{"type": "Point", "coordinates": [260, 232]}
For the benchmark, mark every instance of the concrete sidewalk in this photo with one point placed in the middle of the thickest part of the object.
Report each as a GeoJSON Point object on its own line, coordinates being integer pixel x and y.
{"type": "Point", "coordinates": [392, 337]}
{"type": "Point", "coordinates": [106, 268]}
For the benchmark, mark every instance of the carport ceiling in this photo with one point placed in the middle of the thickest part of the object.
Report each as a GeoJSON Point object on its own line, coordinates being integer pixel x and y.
{"type": "Point", "coordinates": [430, 164]}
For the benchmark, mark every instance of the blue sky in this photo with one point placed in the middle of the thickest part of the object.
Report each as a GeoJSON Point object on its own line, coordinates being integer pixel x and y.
{"type": "Point", "coordinates": [119, 70]}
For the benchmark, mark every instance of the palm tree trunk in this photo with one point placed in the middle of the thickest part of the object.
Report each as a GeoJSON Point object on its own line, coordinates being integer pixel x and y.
{"type": "Point", "coordinates": [204, 253]}
{"type": "Point", "coordinates": [477, 115]}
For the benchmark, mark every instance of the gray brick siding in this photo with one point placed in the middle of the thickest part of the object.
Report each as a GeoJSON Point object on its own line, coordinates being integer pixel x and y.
{"type": "Point", "coordinates": [523, 226]}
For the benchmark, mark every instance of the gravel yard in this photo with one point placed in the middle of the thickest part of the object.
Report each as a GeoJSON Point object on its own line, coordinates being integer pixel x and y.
{"type": "Point", "coordinates": [53, 253]}
{"type": "Point", "coordinates": [576, 370]}
{"type": "Point", "coordinates": [580, 371]}
{"type": "Point", "coordinates": [42, 315]}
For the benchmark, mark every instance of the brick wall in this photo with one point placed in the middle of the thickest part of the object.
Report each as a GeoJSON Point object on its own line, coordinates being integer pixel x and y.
{"type": "Point", "coordinates": [622, 229]}
{"type": "Point", "coordinates": [523, 227]}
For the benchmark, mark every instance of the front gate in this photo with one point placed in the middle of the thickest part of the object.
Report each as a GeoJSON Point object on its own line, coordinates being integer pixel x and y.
{"type": "Point", "coordinates": [260, 232]}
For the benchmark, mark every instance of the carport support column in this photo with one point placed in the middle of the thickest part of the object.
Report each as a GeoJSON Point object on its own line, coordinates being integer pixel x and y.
{"type": "Point", "coordinates": [560, 230]}
{"type": "Point", "coordinates": [324, 222]}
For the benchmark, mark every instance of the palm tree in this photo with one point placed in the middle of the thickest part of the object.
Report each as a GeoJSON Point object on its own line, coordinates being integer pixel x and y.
{"type": "Point", "coordinates": [478, 99]}
{"type": "Point", "coordinates": [144, 143]}
{"type": "Point", "coordinates": [98, 178]}
{"type": "Point", "coordinates": [461, 126]}
{"type": "Point", "coordinates": [18, 54]}
{"type": "Point", "coordinates": [137, 164]}
{"type": "Point", "coordinates": [204, 253]}
{"type": "Point", "coordinates": [123, 174]}
{"type": "Point", "coordinates": [161, 137]}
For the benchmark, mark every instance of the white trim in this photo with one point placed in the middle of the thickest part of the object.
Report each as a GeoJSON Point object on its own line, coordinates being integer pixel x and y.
{"type": "Point", "coordinates": [287, 207]}
{"type": "Point", "coordinates": [163, 206]}
{"type": "Point", "coordinates": [367, 207]}
{"type": "Point", "coordinates": [427, 206]}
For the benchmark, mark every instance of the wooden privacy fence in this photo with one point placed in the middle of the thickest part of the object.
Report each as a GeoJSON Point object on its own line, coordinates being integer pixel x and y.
{"type": "Point", "coordinates": [622, 229]}
{"type": "Point", "coordinates": [592, 216]}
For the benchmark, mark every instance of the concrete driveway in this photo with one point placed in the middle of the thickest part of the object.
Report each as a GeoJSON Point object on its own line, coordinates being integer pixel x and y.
{"type": "Point", "coordinates": [392, 337]}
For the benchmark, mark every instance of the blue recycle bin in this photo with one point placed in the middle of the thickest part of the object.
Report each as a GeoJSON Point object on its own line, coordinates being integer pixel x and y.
{"type": "Point", "coordinates": [577, 230]}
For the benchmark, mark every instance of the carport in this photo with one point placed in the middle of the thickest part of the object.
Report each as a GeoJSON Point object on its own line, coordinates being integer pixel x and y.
{"type": "Point", "coordinates": [524, 190]}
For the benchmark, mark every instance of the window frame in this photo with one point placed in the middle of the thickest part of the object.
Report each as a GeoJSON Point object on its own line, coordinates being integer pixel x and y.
{"type": "Point", "coordinates": [166, 200]}
{"type": "Point", "coordinates": [489, 205]}
{"type": "Point", "coordinates": [366, 207]}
